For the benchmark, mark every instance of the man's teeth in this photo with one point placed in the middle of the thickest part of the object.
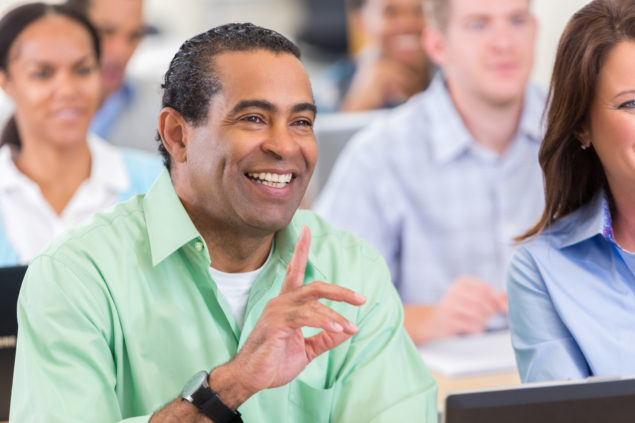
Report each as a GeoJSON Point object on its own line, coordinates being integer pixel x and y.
{"type": "Point", "coordinates": [275, 180]}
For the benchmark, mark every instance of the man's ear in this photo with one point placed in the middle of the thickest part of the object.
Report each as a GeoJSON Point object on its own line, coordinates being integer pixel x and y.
{"type": "Point", "coordinates": [172, 129]}
{"type": "Point", "coordinates": [583, 134]}
{"type": "Point", "coordinates": [433, 42]}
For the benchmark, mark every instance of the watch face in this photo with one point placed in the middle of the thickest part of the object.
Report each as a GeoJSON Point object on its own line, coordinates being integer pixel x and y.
{"type": "Point", "coordinates": [193, 384]}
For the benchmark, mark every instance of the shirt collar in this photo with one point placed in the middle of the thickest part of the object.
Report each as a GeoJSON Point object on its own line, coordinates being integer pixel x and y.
{"type": "Point", "coordinates": [449, 136]}
{"type": "Point", "coordinates": [169, 225]}
{"type": "Point", "coordinates": [107, 167]}
{"type": "Point", "coordinates": [584, 223]}
{"type": "Point", "coordinates": [607, 221]}
{"type": "Point", "coordinates": [286, 238]}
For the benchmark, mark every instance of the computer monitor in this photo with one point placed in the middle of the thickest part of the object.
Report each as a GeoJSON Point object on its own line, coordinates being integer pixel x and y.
{"type": "Point", "coordinates": [584, 401]}
{"type": "Point", "coordinates": [10, 282]}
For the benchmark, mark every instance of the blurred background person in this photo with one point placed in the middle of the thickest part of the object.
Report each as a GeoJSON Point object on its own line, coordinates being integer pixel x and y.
{"type": "Point", "coordinates": [391, 65]}
{"type": "Point", "coordinates": [318, 26]}
{"type": "Point", "coordinates": [442, 184]}
{"type": "Point", "coordinates": [52, 174]}
{"type": "Point", "coordinates": [571, 290]}
{"type": "Point", "coordinates": [129, 108]}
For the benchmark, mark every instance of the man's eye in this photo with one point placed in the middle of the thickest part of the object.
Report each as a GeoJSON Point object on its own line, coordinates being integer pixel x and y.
{"type": "Point", "coordinates": [476, 25]}
{"type": "Point", "coordinates": [84, 70]}
{"type": "Point", "coordinates": [136, 37]}
{"type": "Point", "coordinates": [303, 122]}
{"type": "Point", "coordinates": [519, 20]}
{"type": "Point", "coordinates": [253, 119]}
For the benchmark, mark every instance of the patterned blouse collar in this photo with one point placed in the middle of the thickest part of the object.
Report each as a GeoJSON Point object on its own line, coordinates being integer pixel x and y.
{"type": "Point", "coordinates": [607, 221]}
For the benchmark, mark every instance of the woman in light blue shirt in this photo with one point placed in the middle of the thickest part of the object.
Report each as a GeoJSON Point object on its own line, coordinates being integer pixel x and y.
{"type": "Point", "coordinates": [571, 286]}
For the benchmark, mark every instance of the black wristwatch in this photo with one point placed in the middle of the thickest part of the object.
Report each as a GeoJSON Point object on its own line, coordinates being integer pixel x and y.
{"type": "Point", "coordinates": [198, 392]}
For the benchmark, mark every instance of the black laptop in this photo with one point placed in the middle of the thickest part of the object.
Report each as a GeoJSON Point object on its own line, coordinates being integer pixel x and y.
{"type": "Point", "coordinates": [583, 401]}
{"type": "Point", "coordinates": [10, 281]}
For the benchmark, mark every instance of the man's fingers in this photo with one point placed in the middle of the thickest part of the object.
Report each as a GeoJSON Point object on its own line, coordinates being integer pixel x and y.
{"type": "Point", "coordinates": [318, 290]}
{"type": "Point", "coordinates": [463, 325]}
{"type": "Point", "coordinates": [474, 304]}
{"type": "Point", "coordinates": [324, 341]}
{"type": "Point", "coordinates": [297, 265]}
{"type": "Point", "coordinates": [474, 320]}
{"type": "Point", "coordinates": [473, 293]}
{"type": "Point", "coordinates": [501, 301]}
{"type": "Point", "coordinates": [317, 315]}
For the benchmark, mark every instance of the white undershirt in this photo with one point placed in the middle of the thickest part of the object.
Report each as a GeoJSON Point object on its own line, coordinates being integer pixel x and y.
{"type": "Point", "coordinates": [235, 288]}
{"type": "Point", "coordinates": [28, 219]}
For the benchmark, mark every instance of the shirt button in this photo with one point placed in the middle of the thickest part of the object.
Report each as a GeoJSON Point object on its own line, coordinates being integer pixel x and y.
{"type": "Point", "coordinates": [199, 246]}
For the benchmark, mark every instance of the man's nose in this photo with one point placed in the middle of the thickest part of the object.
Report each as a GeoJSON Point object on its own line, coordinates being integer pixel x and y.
{"type": "Point", "coordinates": [280, 142]}
{"type": "Point", "coordinates": [502, 37]}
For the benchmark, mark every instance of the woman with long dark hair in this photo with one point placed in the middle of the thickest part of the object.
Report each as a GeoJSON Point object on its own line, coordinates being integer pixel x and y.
{"type": "Point", "coordinates": [53, 175]}
{"type": "Point", "coordinates": [572, 283]}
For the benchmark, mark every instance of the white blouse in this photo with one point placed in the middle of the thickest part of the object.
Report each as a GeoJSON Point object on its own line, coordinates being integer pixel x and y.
{"type": "Point", "coordinates": [29, 221]}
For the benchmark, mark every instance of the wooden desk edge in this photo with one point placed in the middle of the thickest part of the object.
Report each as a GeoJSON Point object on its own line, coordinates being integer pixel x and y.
{"type": "Point", "coordinates": [451, 384]}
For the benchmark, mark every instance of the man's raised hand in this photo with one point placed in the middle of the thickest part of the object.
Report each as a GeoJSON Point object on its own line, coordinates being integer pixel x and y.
{"type": "Point", "coordinates": [276, 351]}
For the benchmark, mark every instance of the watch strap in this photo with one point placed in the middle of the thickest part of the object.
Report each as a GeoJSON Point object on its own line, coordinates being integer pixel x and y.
{"type": "Point", "coordinates": [216, 410]}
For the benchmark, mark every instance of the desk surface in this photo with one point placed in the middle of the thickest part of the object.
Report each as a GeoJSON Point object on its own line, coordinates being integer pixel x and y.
{"type": "Point", "coordinates": [471, 362]}
{"type": "Point", "coordinates": [449, 384]}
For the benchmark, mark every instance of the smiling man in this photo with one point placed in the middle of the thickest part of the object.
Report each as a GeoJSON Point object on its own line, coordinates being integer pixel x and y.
{"type": "Point", "coordinates": [211, 282]}
{"type": "Point", "coordinates": [442, 185]}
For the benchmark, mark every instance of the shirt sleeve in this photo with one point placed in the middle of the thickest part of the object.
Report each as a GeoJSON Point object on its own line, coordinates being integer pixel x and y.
{"type": "Point", "coordinates": [383, 378]}
{"type": "Point", "coordinates": [358, 198]}
{"type": "Point", "coordinates": [64, 370]}
{"type": "Point", "coordinates": [545, 349]}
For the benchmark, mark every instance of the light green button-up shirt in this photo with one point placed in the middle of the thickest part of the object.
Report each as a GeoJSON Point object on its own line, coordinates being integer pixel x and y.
{"type": "Point", "coordinates": [116, 316]}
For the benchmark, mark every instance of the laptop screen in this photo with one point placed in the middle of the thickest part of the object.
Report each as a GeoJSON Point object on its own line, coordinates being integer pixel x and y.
{"type": "Point", "coordinates": [590, 400]}
{"type": "Point", "coordinates": [10, 281]}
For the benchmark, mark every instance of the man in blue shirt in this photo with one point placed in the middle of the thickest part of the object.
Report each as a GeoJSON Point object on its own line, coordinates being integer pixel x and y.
{"type": "Point", "coordinates": [443, 184]}
{"type": "Point", "coordinates": [130, 106]}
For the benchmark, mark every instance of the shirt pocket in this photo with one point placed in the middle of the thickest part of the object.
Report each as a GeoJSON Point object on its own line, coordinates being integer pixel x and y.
{"type": "Point", "coordinates": [308, 403]}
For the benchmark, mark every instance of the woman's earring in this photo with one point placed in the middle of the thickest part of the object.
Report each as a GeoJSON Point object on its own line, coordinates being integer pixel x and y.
{"type": "Point", "coordinates": [584, 147]}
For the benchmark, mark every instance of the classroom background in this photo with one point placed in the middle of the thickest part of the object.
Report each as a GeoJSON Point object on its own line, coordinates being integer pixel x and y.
{"type": "Point", "coordinates": [318, 26]}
